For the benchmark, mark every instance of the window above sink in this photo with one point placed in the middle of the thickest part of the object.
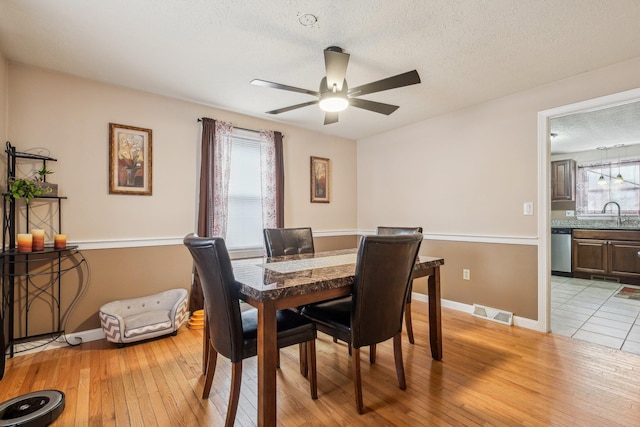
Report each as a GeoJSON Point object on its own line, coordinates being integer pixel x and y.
{"type": "Point", "coordinates": [592, 194]}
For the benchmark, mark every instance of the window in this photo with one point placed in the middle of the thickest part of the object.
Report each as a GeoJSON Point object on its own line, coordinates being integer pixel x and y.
{"type": "Point", "coordinates": [244, 224]}
{"type": "Point", "coordinates": [592, 196]}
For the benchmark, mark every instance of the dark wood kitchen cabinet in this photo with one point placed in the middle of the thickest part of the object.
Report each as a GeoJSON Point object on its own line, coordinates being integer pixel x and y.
{"type": "Point", "coordinates": [563, 180]}
{"type": "Point", "coordinates": [607, 254]}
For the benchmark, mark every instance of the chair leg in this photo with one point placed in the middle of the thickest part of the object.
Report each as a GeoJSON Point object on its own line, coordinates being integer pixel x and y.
{"type": "Point", "coordinates": [205, 345]}
{"type": "Point", "coordinates": [335, 339]}
{"type": "Point", "coordinates": [349, 349]}
{"type": "Point", "coordinates": [211, 358]}
{"type": "Point", "coordinates": [357, 382]}
{"type": "Point", "coordinates": [311, 362]}
{"type": "Point", "coordinates": [304, 369]}
{"type": "Point", "coordinates": [372, 354]}
{"type": "Point", "coordinates": [397, 354]}
{"type": "Point", "coordinates": [234, 393]}
{"type": "Point", "coordinates": [407, 322]}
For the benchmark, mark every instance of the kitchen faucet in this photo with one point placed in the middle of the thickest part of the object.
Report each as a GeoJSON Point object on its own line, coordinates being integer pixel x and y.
{"type": "Point", "coordinates": [604, 208]}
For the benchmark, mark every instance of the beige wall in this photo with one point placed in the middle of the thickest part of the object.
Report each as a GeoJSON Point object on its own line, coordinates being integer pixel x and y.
{"type": "Point", "coordinates": [132, 272]}
{"type": "Point", "coordinates": [467, 174]}
{"type": "Point", "coordinates": [70, 117]}
{"type": "Point", "coordinates": [4, 111]}
{"type": "Point", "coordinates": [462, 176]}
{"type": "Point", "coordinates": [510, 285]}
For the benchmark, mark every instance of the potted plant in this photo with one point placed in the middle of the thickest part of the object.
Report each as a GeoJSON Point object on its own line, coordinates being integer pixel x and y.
{"type": "Point", "coordinates": [27, 189]}
{"type": "Point", "coordinates": [41, 179]}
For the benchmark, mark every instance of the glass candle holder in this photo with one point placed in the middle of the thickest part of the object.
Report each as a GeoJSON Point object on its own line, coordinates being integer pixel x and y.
{"type": "Point", "coordinates": [37, 239]}
{"type": "Point", "coordinates": [60, 241]}
{"type": "Point", "coordinates": [25, 243]}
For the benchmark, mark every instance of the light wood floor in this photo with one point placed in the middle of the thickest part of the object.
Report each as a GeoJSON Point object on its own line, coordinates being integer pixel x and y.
{"type": "Point", "coordinates": [491, 374]}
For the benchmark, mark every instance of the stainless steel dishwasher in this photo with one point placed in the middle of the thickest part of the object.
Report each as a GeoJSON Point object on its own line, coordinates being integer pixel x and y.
{"type": "Point", "coordinates": [561, 251]}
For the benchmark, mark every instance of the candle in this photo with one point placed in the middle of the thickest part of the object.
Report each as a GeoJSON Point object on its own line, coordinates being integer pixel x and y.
{"type": "Point", "coordinates": [37, 239]}
{"type": "Point", "coordinates": [60, 241]}
{"type": "Point", "coordinates": [24, 242]}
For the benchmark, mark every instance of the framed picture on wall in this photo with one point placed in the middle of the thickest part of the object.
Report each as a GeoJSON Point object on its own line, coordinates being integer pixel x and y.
{"type": "Point", "coordinates": [129, 160]}
{"type": "Point", "coordinates": [320, 180]}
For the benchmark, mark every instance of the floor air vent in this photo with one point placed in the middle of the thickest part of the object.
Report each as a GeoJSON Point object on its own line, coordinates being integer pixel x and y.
{"type": "Point", "coordinates": [493, 314]}
{"type": "Point", "coordinates": [605, 278]}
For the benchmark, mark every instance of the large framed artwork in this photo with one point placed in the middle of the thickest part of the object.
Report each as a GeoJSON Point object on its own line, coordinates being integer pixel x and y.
{"type": "Point", "coordinates": [129, 160]}
{"type": "Point", "coordinates": [320, 180]}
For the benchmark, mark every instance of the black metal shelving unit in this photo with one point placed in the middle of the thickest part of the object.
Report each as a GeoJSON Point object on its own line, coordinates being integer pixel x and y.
{"type": "Point", "coordinates": [33, 276]}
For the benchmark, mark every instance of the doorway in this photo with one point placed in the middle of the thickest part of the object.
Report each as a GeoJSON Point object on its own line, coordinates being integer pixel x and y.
{"type": "Point", "coordinates": [544, 166]}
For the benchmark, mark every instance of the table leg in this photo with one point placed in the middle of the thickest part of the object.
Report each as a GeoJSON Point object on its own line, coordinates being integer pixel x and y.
{"type": "Point", "coordinates": [435, 325]}
{"type": "Point", "coordinates": [267, 364]}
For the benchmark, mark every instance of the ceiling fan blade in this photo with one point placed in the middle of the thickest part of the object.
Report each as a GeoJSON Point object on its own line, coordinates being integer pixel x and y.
{"type": "Point", "coordinates": [401, 80]}
{"type": "Point", "coordinates": [377, 107]}
{"type": "Point", "coordinates": [292, 107]}
{"type": "Point", "coordinates": [258, 82]}
{"type": "Point", "coordinates": [330, 117]}
{"type": "Point", "coordinates": [335, 63]}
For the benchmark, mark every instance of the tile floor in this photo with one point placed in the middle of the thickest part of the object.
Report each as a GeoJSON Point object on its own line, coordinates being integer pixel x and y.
{"type": "Point", "coordinates": [589, 311]}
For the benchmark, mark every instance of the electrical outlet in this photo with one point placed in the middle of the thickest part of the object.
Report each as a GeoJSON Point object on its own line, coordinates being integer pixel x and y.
{"type": "Point", "coordinates": [527, 208]}
{"type": "Point", "coordinates": [466, 274]}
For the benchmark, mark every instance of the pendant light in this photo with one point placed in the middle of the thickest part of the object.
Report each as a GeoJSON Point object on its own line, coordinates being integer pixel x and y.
{"type": "Point", "coordinates": [601, 180]}
{"type": "Point", "coordinates": [619, 179]}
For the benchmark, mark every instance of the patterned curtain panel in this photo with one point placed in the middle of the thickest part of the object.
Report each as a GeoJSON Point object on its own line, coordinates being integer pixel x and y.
{"type": "Point", "coordinates": [221, 172]}
{"type": "Point", "coordinates": [268, 178]}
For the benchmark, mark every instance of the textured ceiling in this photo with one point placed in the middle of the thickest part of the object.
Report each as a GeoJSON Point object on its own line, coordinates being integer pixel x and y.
{"type": "Point", "coordinates": [606, 127]}
{"type": "Point", "coordinates": [466, 51]}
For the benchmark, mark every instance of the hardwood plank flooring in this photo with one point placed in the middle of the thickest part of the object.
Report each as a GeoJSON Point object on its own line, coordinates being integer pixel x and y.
{"type": "Point", "coordinates": [490, 375]}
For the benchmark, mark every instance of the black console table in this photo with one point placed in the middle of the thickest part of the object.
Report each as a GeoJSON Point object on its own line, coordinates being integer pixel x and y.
{"type": "Point", "coordinates": [34, 279]}
{"type": "Point", "coordinates": [31, 283]}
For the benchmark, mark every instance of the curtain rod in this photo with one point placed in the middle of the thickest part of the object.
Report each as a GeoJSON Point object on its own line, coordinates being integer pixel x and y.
{"type": "Point", "coordinates": [237, 127]}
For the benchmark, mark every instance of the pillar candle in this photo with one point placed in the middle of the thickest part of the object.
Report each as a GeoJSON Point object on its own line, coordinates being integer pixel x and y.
{"type": "Point", "coordinates": [60, 241]}
{"type": "Point", "coordinates": [38, 239]}
{"type": "Point", "coordinates": [24, 242]}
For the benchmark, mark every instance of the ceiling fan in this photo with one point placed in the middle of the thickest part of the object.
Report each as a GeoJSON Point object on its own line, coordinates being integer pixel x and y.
{"type": "Point", "coordinates": [334, 95]}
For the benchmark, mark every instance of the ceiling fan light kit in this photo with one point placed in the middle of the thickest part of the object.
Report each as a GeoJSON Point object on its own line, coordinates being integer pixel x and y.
{"type": "Point", "coordinates": [333, 103]}
{"type": "Point", "coordinates": [334, 94]}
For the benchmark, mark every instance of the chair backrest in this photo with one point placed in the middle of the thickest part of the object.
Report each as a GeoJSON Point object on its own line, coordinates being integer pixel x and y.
{"type": "Point", "coordinates": [219, 289]}
{"type": "Point", "coordinates": [387, 231]}
{"type": "Point", "coordinates": [288, 241]}
{"type": "Point", "coordinates": [383, 271]}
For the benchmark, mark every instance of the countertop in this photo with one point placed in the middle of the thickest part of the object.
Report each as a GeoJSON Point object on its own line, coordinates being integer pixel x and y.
{"type": "Point", "coordinates": [597, 224]}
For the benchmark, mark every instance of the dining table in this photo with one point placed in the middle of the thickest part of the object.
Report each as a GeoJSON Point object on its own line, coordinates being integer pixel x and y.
{"type": "Point", "coordinates": [272, 284]}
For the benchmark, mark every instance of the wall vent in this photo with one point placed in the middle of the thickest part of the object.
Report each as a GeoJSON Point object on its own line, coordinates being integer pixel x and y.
{"type": "Point", "coordinates": [493, 314]}
{"type": "Point", "coordinates": [605, 278]}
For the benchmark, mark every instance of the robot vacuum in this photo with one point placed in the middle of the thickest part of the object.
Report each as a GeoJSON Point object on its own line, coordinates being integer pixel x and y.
{"type": "Point", "coordinates": [35, 409]}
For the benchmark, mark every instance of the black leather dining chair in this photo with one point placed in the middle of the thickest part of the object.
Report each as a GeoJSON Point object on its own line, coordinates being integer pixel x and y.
{"type": "Point", "coordinates": [388, 231]}
{"type": "Point", "coordinates": [288, 241]}
{"type": "Point", "coordinates": [373, 314]}
{"type": "Point", "coordinates": [232, 333]}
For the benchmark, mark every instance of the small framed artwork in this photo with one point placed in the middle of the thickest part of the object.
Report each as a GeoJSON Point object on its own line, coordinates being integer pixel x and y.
{"type": "Point", "coordinates": [320, 180]}
{"type": "Point", "coordinates": [129, 160]}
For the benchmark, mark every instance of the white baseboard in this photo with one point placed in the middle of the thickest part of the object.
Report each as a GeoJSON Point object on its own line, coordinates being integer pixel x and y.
{"type": "Point", "coordinates": [522, 322]}
{"type": "Point", "coordinates": [47, 344]}
{"type": "Point", "coordinates": [98, 334]}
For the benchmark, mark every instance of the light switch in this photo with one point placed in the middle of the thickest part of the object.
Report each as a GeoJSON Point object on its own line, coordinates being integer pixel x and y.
{"type": "Point", "coordinates": [528, 208]}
